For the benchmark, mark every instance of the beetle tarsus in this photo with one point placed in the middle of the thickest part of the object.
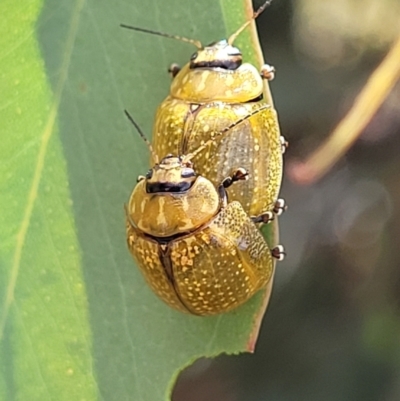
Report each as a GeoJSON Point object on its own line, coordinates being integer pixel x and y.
{"type": "Point", "coordinates": [238, 175]}
{"type": "Point", "coordinates": [284, 144]}
{"type": "Point", "coordinates": [265, 218]}
{"type": "Point", "coordinates": [280, 206]}
{"type": "Point", "coordinates": [278, 252]}
{"type": "Point", "coordinates": [267, 72]}
{"type": "Point", "coordinates": [174, 69]}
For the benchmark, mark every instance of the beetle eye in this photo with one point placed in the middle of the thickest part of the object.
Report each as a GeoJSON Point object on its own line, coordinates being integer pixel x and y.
{"type": "Point", "coordinates": [149, 174]}
{"type": "Point", "coordinates": [187, 173]}
{"type": "Point", "coordinates": [194, 56]}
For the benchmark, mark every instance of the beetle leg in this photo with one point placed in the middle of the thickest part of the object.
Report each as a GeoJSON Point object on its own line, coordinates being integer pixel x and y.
{"type": "Point", "coordinates": [278, 252]}
{"type": "Point", "coordinates": [284, 144]}
{"type": "Point", "coordinates": [238, 175]}
{"type": "Point", "coordinates": [267, 72]}
{"type": "Point", "coordinates": [280, 206]}
{"type": "Point", "coordinates": [265, 218]}
{"type": "Point", "coordinates": [174, 69]}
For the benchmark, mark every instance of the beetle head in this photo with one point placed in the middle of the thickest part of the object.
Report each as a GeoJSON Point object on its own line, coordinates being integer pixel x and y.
{"type": "Point", "coordinates": [219, 54]}
{"type": "Point", "coordinates": [173, 174]}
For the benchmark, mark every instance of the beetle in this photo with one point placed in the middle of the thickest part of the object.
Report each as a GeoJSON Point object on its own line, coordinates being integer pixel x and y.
{"type": "Point", "coordinates": [199, 252]}
{"type": "Point", "coordinates": [214, 89]}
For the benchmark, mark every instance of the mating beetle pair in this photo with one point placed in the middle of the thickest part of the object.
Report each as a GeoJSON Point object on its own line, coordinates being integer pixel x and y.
{"type": "Point", "coordinates": [200, 253]}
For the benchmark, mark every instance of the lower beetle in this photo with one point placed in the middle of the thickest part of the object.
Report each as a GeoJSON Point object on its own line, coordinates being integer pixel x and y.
{"type": "Point", "coordinates": [198, 252]}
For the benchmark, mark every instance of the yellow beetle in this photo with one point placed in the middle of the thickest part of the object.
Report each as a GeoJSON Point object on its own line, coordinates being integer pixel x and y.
{"type": "Point", "coordinates": [212, 91]}
{"type": "Point", "coordinates": [198, 252]}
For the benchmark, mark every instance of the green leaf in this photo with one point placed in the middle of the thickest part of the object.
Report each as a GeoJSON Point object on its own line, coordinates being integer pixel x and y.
{"type": "Point", "coordinates": [77, 321]}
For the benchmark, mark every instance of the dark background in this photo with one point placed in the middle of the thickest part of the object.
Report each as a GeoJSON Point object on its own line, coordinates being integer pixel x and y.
{"type": "Point", "coordinates": [332, 330]}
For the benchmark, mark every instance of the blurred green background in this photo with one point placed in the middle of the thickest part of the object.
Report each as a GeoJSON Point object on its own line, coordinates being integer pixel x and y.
{"type": "Point", "coordinates": [332, 329]}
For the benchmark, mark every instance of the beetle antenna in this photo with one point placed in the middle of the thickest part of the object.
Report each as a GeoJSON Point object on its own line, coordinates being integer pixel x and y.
{"type": "Point", "coordinates": [130, 118]}
{"type": "Point", "coordinates": [233, 37]}
{"type": "Point", "coordinates": [190, 156]}
{"type": "Point", "coordinates": [194, 42]}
